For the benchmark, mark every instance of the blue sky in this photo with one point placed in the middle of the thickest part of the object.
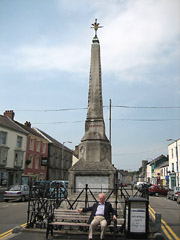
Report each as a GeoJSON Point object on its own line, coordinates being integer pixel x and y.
{"type": "Point", "coordinates": [45, 62]}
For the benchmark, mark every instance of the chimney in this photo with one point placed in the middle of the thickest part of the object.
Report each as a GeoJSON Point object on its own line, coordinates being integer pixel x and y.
{"type": "Point", "coordinates": [77, 151]}
{"type": "Point", "coordinates": [9, 113]}
{"type": "Point", "coordinates": [27, 124]}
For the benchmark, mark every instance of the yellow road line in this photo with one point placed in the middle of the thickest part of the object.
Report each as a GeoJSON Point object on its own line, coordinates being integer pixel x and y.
{"type": "Point", "coordinates": [23, 225]}
{"type": "Point", "coordinates": [166, 233]}
{"type": "Point", "coordinates": [5, 234]}
{"type": "Point", "coordinates": [164, 226]}
{"type": "Point", "coordinates": [170, 230]}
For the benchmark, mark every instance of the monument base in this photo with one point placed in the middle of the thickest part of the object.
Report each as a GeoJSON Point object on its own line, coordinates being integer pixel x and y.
{"type": "Point", "coordinates": [100, 176]}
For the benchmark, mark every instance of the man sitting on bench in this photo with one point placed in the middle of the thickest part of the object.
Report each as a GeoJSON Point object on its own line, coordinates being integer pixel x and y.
{"type": "Point", "coordinates": [100, 214]}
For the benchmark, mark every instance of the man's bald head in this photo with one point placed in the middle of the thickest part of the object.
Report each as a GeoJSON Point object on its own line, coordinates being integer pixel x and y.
{"type": "Point", "coordinates": [101, 198]}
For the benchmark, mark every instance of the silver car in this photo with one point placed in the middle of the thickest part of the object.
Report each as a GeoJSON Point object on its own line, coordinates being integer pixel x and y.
{"type": "Point", "coordinates": [17, 192]}
{"type": "Point", "coordinates": [173, 193]}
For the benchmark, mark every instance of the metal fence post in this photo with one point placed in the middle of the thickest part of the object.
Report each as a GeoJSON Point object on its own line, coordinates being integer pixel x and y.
{"type": "Point", "coordinates": [86, 197]}
{"type": "Point", "coordinates": [158, 222]}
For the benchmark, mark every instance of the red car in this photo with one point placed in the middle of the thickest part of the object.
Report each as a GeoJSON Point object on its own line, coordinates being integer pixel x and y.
{"type": "Point", "coordinates": [157, 190]}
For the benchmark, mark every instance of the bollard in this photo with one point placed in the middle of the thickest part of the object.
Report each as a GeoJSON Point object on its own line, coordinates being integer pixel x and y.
{"type": "Point", "coordinates": [158, 222]}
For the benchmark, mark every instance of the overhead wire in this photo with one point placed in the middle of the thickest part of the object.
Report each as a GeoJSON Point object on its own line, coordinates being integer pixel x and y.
{"type": "Point", "coordinates": [84, 108]}
{"type": "Point", "coordinates": [153, 150]}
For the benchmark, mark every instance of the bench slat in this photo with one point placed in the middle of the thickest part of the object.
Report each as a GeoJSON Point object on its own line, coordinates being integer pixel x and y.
{"type": "Point", "coordinates": [77, 224]}
{"type": "Point", "coordinates": [70, 224]}
{"type": "Point", "coordinates": [70, 219]}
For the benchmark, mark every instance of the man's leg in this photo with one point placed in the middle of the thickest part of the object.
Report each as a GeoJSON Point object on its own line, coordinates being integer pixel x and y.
{"type": "Point", "coordinates": [92, 226]}
{"type": "Point", "coordinates": [103, 224]}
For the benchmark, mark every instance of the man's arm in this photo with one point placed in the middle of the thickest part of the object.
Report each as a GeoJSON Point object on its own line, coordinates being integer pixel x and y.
{"type": "Point", "coordinates": [85, 209]}
{"type": "Point", "coordinates": [113, 212]}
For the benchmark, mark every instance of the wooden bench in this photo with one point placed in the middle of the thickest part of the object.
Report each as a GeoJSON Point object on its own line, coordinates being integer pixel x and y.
{"type": "Point", "coordinates": [72, 218]}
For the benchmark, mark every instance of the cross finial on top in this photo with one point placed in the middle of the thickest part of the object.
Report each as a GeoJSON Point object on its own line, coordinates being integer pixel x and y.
{"type": "Point", "coordinates": [96, 26]}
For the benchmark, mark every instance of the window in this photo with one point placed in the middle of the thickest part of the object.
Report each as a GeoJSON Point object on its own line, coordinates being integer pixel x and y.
{"type": "Point", "coordinates": [37, 163]}
{"type": "Point", "coordinates": [172, 153]}
{"type": "Point", "coordinates": [38, 146]}
{"type": "Point", "coordinates": [31, 159]}
{"type": "Point", "coordinates": [41, 176]}
{"type": "Point", "coordinates": [31, 143]}
{"type": "Point", "coordinates": [18, 159]}
{"type": "Point", "coordinates": [172, 167]}
{"type": "Point", "coordinates": [19, 142]}
{"type": "Point", "coordinates": [3, 136]}
{"type": "Point", "coordinates": [44, 148]}
{"type": "Point", "coordinates": [3, 156]}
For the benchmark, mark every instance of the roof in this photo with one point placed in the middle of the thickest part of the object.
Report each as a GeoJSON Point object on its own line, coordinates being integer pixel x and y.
{"type": "Point", "coordinates": [52, 140]}
{"type": "Point", "coordinates": [165, 164]}
{"type": "Point", "coordinates": [12, 125]}
{"type": "Point", "coordinates": [157, 159]}
{"type": "Point", "coordinates": [30, 130]}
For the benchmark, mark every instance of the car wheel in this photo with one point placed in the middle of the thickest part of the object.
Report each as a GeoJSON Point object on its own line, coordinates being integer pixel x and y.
{"type": "Point", "coordinates": [157, 194]}
{"type": "Point", "coordinates": [6, 200]}
{"type": "Point", "coordinates": [23, 199]}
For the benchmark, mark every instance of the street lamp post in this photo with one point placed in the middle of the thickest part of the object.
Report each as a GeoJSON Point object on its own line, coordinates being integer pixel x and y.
{"type": "Point", "coordinates": [63, 158]}
{"type": "Point", "coordinates": [177, 160]}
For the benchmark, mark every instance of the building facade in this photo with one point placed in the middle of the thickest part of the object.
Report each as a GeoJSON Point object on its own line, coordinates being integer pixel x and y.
{"type": "Point", "coordinates": [174, 163]}
{"type": "Point", "coordinates": [155, 169]}
{"type": "Point", "coordinates": [59, 158]}
{"type": "Point", "coordinates": [36, 150]}
{"type": "Point", "coordinates": [13, 141]}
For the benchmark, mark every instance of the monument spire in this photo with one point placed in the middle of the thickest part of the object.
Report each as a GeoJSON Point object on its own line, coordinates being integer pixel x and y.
{"type": "Point", "coordinates": [94, 126]}
{"type": "Point", "coordinates": [94, 166]}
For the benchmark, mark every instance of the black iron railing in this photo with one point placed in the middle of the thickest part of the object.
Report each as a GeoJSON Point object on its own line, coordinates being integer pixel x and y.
{"type": "Point", "coordinates": [43, 200]}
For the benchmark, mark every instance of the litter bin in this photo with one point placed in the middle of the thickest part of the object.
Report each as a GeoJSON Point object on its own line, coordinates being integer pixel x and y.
{"type": "Point", "coordinates": [136, 217]}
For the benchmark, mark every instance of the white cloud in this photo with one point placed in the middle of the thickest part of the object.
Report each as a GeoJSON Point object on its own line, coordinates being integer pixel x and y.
{"type": "Point", "coordinates": [67, 58]}
{"type": "Point", "coordinates": [136, 34]}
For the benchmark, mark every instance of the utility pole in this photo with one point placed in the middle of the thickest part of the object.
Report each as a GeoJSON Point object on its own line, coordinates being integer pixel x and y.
{"type": "Point", "coordinates": [110, 120]}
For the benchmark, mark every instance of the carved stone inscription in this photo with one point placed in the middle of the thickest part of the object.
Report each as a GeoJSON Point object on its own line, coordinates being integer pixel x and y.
{"type": "Point", "coordinates": [95, 183]}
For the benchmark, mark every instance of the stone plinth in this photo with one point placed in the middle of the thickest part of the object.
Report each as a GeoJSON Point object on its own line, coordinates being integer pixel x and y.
{"type": "Point", "coordinates": [100, 176]}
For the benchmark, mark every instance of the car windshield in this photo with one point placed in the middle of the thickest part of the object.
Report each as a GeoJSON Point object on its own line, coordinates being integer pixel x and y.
{"type": "Point", "coordinates": [15, 188]}
{"type": "Point", "coordinates": [177, 188]}
{"type": "Point", "coordinates": [57, 184]}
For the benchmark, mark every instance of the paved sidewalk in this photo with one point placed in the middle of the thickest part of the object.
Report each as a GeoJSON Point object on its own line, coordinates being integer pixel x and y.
{"type": "Point", "coordinates": [41, 235]}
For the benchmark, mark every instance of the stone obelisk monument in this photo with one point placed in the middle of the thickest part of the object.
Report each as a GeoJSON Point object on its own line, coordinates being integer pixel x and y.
{"type": "Point", "coordinates": [94, 166]}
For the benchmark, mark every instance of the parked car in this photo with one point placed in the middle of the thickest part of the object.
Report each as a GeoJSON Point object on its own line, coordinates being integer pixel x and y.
{"type": "Point", "coordinates": [17, 192]}
{"type": "Point", "coordinates": [40, 189]}
{"type": "Point", "coordinates": [61, 186]}
{"type": "Point", "coordinates": [178, 198]}
{"type": "Point", "coordinates": [173, 193]}
{"type": "Point", "coordinates": [156, 190]}
{"type": "Point", "coordinates": [139, 185]}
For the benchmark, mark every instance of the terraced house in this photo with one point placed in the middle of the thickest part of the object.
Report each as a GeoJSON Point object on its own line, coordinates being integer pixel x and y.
{"type": "Point", "coordinates": [36, 151]}
{"type": "Point", "coordinates": [13, 141]}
